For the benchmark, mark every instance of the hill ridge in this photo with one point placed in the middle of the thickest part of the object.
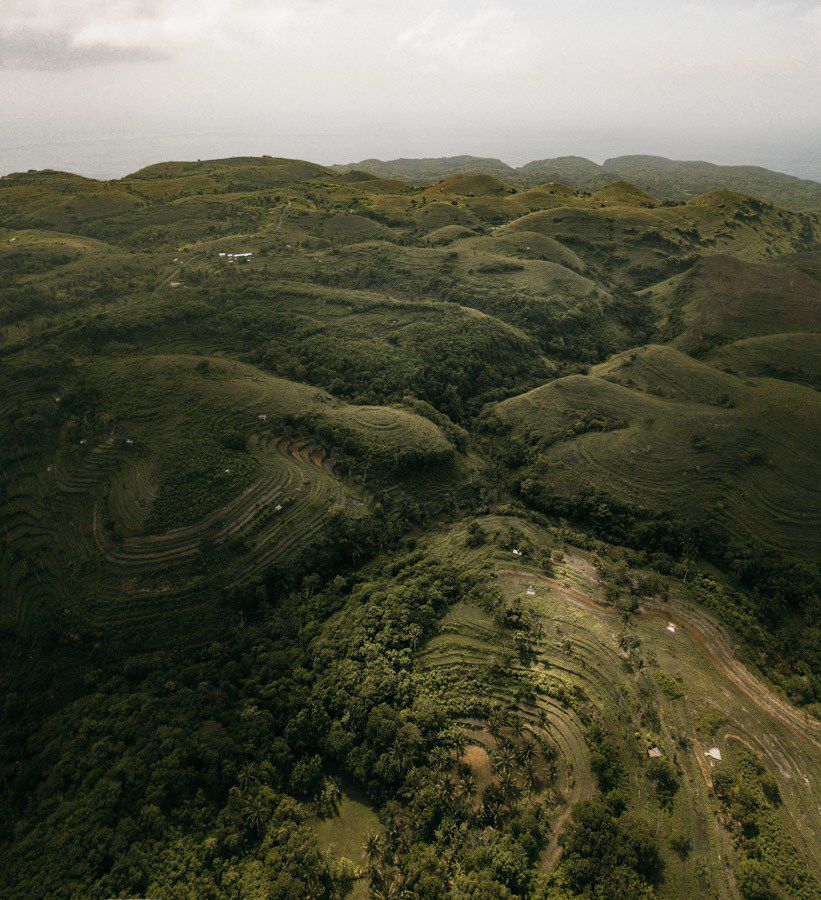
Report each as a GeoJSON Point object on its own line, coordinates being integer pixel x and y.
{"type": "Point", "coordinates": [667, 178]}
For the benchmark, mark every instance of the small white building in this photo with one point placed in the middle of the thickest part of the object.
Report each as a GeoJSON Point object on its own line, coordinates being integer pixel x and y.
{"type": "Point", "coordinates": [654, 753]}
{"type": "Point", "coordinates": [671, 628]}
{"type": "Point", "coordinates": [713, 753]}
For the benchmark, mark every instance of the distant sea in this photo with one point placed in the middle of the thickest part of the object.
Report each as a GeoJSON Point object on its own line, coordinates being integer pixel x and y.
{"type": "Point", "coordinates": [117, 155]}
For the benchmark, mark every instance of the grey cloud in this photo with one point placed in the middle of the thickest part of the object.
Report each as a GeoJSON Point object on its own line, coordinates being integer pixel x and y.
{"type": "Point", "coordinates": [49, 51]}
{"type": "Point", "coordinates": [69, 34]}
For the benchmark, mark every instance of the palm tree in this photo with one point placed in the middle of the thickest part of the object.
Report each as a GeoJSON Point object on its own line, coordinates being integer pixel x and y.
{"type": "Point", "coordinates": [390, 889]}
{"type": "Point", "coordinates": [448, 788]}
{"type": "Point", "coordinates": [256, 814]}
{"type": "Point", "coordinates": [247, 778]}
{"type": "Point", "coordinates": [374, 849]}
{"type": "Point", "coordinates": [503, 760]}
{"type": "Point", "coordinates": [507, 785]}
{"type": "Point", "coordinates": [458, 741]}
{"type": "Point", "coordinates": [395, 761]}
{"type": "Point", "coordinates": [438, 758]}
{"type": "Point", "coordinates": [529, 774]}
{"type": "Point", "coordinates": [518, 726]}
{"type": "Point", "coordinates": [468, 784]}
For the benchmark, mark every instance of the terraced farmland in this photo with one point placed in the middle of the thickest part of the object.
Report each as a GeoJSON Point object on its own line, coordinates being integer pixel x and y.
{"type": "Point", "coordinates": [143, 580]}
{"type": "Point", "coordinates": [266, 502]}
{"type": "Point", "coordinates": [366, 537]}
{"type": "Point", "coordinates": [590, 663]}
{"type": "Point", "coordinates": [658, 429]}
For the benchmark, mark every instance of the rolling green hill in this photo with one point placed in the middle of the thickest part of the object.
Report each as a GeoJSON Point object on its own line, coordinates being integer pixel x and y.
{"type": "Point", "coordinates": [723, 298]}
{"type": "Point", "coordinates": [661, 430]}
{"type": "Point", "coordinates": [573, 170]}
{"type": "Point", "coordinates": [667, 178]}
{"type": "Point", "coordinates": [433, 169]}
{"type": "Point", "coordinates": [793, 356]}
{"type": "Point", "coordinates": [678, 179]}
{"type": "Point", "coordinates": [424, 529]}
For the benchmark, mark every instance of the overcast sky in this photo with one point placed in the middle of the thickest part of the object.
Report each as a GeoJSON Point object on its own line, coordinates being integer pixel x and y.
{"type": "Point", "coordinates": [105, 85]}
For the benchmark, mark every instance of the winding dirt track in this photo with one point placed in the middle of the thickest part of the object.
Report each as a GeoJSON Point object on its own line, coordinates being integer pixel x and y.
{"type": "Point", "coordinates": [795, 759]}
{"type": "Point", "coordinates": [715, 646]}
{"type": "Point", "coordinates": [712, 641]}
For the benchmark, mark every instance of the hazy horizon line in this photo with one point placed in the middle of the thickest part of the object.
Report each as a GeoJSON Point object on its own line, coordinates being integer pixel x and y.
{"type": "Point", "coordinates": [103, 167]}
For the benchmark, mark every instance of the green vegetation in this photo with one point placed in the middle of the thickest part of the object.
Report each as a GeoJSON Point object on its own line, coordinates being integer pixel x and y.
{"type": "Point", "coordinates": [681, 435]}
{"type": "Point", "coordinates": [769, 865]}
{"type": "Point", "coordinates": [607, 855]}
{"type": "Point", "coordinates": [425, 548]}
{"type": "Point", "coordinates": [672, 179]}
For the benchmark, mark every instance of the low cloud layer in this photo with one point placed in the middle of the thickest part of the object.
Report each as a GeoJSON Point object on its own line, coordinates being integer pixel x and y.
{"type": "Point", "coordinates": [52, 33]}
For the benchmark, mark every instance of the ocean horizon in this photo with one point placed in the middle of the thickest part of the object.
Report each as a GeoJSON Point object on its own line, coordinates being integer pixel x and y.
{"type": "Point", "coordinates": [115, 156]}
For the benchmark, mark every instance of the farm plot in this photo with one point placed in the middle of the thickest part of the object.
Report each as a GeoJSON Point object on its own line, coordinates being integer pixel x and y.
{"type": "Point", "coordinates": [678, 690]}
{"type": "Point", "coordinates": [144, 575]}
{"type": "Point", "coordinates": [717, 687]}
{"type": "Point", "coordinates": [481, 654]}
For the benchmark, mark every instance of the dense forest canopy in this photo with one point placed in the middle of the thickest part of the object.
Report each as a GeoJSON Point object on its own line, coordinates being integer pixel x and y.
{"type": "Point", "coordinates": [410, 529]}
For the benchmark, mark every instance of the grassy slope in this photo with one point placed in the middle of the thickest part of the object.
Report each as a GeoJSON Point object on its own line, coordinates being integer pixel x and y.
{"type": "Point", "coordinates": [723, 298]}
{"type": "Point", "coordinates": [677, 433]}
{"type": "Point", "coordinates": [793, 356]}
{"type": "Point", "coordinates": [674, 179]}
{"type": "Point", "coordinates": [580, 671]}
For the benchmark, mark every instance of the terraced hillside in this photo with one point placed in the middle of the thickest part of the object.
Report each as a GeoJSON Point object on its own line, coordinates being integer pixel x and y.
{"type": "Point", "coordinates": [171, 496]}
{"type": "Point", "coordinates": [657, 428]}
{"type": "Point", "coordinates": [365, 536]}
{"type": "Point", "coordinates": [665, 679]}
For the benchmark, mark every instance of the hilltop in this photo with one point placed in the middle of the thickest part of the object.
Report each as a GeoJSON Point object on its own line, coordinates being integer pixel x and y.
{"type": "Point", "coordinates": [425, 527]}
{"type": "Point", "coordinates": [665, 178]}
